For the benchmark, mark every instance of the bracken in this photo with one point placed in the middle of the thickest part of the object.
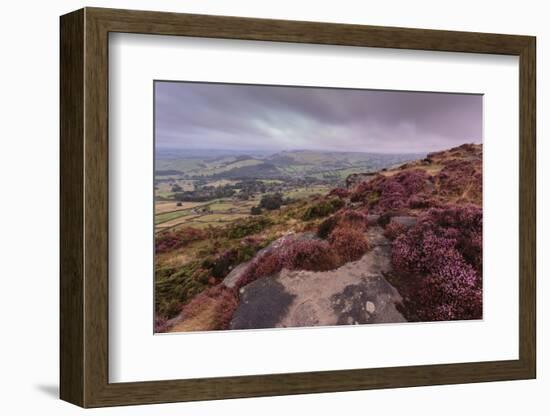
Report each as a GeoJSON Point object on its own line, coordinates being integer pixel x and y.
{"type": "Point", "coordinates": [350, 244]}
{"type": "Point", "coordinates": [353, 218]}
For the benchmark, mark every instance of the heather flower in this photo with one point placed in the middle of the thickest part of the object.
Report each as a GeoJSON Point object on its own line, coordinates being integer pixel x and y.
{"type": "Point", "coordinates": [394, 230]}
{"type": "Point", "coordinates": [313, 255]}
{"type": "Point", "coordinates": [440, 260]}
{"type": "Point", "coordinates": [384, 193]}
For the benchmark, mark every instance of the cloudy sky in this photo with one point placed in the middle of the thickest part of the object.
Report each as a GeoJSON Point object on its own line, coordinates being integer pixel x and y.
{"type": "Point", "coordinates": [254, 117]}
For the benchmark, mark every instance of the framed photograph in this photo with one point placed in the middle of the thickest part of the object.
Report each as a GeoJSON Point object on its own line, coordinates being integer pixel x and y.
{"type": "Point", "coordinates": [255, 207]}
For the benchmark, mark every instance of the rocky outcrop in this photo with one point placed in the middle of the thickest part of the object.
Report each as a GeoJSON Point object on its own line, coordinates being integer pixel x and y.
{"type": "Point", "coordinates": [356, 293]}
{"type": "Point", "coordinates": [234, 276]}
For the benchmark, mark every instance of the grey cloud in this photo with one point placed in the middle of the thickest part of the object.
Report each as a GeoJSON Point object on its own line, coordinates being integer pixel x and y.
{"type": "Point", "coordinates": [223, 116]}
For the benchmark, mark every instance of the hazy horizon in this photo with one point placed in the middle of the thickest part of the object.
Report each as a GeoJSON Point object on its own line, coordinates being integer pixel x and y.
{"type": "Point", "coordinates": [258, 118]}
{"type": "Point", "coordinates": [289, 150]}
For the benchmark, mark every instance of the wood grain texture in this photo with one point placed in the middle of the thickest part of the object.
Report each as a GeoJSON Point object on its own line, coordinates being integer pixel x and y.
{"type": "Point", "coordinates": [527, 207]}
{"type": "Point", "coordinates": [84, 204]}
{"type": "Point", "coordinates": [96, 208]}
{"type": "Point", "coordinates": [71, 208]}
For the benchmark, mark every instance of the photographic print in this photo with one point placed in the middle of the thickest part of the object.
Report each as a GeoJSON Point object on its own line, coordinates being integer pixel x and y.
{"type": "Point", "coordinates": [288, 206]}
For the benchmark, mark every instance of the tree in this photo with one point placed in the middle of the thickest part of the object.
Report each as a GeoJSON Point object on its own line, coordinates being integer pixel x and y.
{"type": "Point", "coordinates": [271, 201]}
{"type": "Point", "coordinates": [243, 196]}
{"type": "Point", "coordinates": [176, 188]}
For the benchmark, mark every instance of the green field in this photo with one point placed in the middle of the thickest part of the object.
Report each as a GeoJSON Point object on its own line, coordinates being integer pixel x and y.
{"type": "Point", "coordinates": [222, 206]}
{"type": "Point", "coordinates": [209, 213]}
{"type": "Point", "coordinates": [299, 193]}
{"type": "Point", "coordinates": [168, 216]}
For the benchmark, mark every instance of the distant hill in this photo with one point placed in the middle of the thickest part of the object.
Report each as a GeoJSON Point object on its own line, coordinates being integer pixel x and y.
{"type": "Point", "coordinates": [208, 154]}
{"type": "Point", "coordinates": [225, 164]}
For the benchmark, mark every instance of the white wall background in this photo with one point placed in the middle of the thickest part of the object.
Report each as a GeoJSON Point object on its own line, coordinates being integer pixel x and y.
{"type": "Point", "coordinates": [29, 210]}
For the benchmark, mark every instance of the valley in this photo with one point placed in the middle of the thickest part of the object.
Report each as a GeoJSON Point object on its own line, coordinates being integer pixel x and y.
{"type": "Point", "coordinates": [212, 188]}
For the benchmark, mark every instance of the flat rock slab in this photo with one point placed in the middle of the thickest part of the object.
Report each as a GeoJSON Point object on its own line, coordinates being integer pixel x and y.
{"type": "Point", "coordinates": [356, 293]}
{"type": "Point", "coordinates": [262, 305]}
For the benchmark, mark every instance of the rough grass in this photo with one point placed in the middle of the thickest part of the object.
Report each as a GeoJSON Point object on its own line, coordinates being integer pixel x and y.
{"type": "Point", "coordinates": [248, 226]}
{"type": "Point", "coordinates": [174, 288]}
{"type": "Point", "coordinates": [171, 240]}
{"type": "Point", "coordinates": [322, 209]}
{"type": "Point", "coordinates": [212, 259]}
{"type": "Point", "coordinates": [209, 311]}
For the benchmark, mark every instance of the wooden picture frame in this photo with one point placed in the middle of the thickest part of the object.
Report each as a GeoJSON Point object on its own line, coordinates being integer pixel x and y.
{"type": "Point", "coordinates": [84, 207]}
